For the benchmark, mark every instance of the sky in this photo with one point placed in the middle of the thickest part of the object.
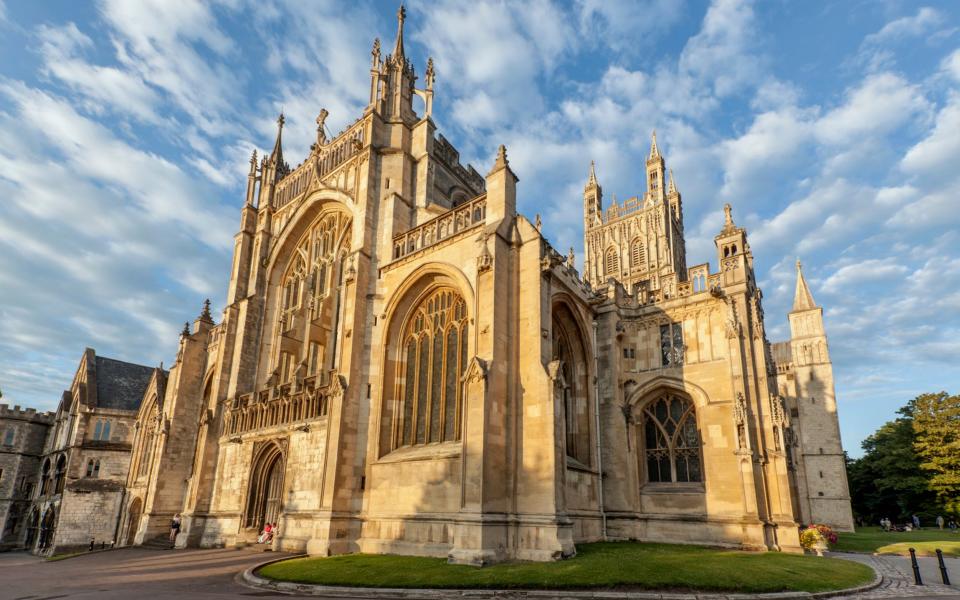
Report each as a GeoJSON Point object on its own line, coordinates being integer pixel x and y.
{"type": "Point", "coordinates": [832, 128]}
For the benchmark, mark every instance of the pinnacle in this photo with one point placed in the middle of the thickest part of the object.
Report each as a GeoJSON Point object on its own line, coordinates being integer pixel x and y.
{"type": "Point", "coordinates": [592, 177]}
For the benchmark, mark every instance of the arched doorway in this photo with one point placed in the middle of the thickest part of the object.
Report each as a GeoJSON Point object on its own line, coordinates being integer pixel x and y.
{"type": "Point", "coordinates": [265, 500]}
{"type": "Point", "coordinates": [48, 527]}
{"type": "Point", "coordinates": [133, 520]}
{"type": "Point", "coordinates": [32, 526]}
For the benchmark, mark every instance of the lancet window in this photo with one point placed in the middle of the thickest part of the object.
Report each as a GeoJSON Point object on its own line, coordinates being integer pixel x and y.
{"type": "Point", "coordinates": [671, 441]}
{"type": "Point", "coordinates": [433, 359]}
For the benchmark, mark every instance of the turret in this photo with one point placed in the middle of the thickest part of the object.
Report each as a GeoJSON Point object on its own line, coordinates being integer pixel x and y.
{"type": "Point", "coordinates": [807, 334]}
{"type": "Point", "coordinates": [592, 200]}
{"type": "Point", "coordinates": [733, 251]}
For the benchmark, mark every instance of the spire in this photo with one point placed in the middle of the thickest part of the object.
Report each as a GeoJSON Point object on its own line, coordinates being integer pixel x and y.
{"type": "Point", "coordinates": [654, 151]}
{"type": "Point", "coordinates": [276, 157]}
{"type": "Point", "coordinates": [253, 163]}
{"type": "Point", "coordinates": [398, 45]}
{"type": "Point", "coordinates": [802, 299]}
{"type": "Point", "coordinates": [592, 177]}
{"type": "Point", "coordinates": [671, 187]}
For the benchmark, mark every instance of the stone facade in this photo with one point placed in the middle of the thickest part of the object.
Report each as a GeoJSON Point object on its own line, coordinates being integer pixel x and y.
{"type": "Point", "coordinates": [404, 364]}
{"type": "Point", "coordinates": [22, 436]}
{"type": "Point", "coordinates": [86, 457]}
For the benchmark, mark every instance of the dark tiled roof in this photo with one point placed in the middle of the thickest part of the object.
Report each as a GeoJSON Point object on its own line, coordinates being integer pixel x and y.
{"type": "Point", "coordinates": [121, 384]}
{"type": "Point", "coordinates": [781, 353]}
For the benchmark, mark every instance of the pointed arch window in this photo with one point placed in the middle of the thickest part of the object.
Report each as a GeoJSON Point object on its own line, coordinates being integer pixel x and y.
{"type": "Point", "coordinates": [671, 441]}
{"type": "Point", "coordinates": [638, 254]}
{"type": "Point", "coordinates": [612, 263]}
{"type": "Point", "coordinates": [433, 357]}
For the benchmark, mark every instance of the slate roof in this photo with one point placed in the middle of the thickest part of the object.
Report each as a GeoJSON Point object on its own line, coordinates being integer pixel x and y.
{"type": "Point", "coordinates": [120, 385]}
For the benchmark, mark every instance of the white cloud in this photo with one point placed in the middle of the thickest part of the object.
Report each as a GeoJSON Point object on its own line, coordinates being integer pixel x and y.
{"type": "Point", "coordinates": [879, 105]}
{"type": "Point", "coordinates": [871, 270]}
{"type": "Point", "coordinates": [925, 21]}
{"type": "Point", "coordinates": [939, 152]}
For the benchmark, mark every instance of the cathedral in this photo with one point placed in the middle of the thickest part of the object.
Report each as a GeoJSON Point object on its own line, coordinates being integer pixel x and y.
{"type": "Point", "coordinates": [404, 364]}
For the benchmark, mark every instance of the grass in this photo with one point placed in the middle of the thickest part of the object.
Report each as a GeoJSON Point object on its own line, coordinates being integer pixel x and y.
{"type": "Point", "coordinates": [601, 565]}
{"type": "Point", "coordinates": [875, 540]}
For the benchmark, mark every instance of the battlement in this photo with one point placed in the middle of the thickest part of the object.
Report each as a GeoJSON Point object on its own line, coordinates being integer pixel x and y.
{"type": "Point", "coordinates": [25, 414]}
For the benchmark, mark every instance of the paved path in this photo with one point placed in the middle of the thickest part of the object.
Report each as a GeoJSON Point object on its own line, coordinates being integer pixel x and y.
{"type": "Point", "coordinates": [130, 573]}
{"type": "Point", "coordinates": [210, 575]}
{"type": "Point", "coordinates": [898, 576]}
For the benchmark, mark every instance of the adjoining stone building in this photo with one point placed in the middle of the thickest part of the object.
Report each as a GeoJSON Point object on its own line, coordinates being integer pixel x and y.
{"type": "Point", "coordinates": [405, 364]}
{"type": "Point", "coordinates": [22, 436]}
{"type": "Point", "coordinates": [86, 457]}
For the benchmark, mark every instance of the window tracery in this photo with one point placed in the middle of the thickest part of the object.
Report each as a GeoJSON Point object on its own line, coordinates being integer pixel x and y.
{"type": "Point", "coordinates": [309, 298]}
{"type": "Point", "coordinates": [672, 449]}
{"type": "Point", "coordinates": [433, 359]}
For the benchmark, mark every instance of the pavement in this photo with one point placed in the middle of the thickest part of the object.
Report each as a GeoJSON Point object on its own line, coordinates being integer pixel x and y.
{"type": "Point", "coordinates": [131, 573]}
{"type": "Point", "coordinates": [212, 575]}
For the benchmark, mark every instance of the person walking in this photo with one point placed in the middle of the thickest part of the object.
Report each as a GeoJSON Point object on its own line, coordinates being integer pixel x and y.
{"type": "Point", "coordinates": [174, 529]}
{"type": "Point", "coordinates": [916, 522]}
{"type": "Point", "coordinates": [940, 522]}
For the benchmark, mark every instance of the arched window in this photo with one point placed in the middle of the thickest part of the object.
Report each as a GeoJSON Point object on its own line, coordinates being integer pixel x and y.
{"type": "Point", "coordinates": [60, 475]}
{"type": "Point", "coordinates": [612, 263]}
{"type": "Point", "coordinates": [638, 254]}
{"type": "Point", "coordinates": [93, 468]}
{"type": "Point", "coordinates": [671, 441]}
{"type": "Point", "coordinates": [105, 435]}
{"type": "Point", "coordinates": [308, 292]}
{"type": "Point", "coordinates": [45, 478]}
{"type": "Point", "coordinates": [97, 429]}
{"type": "Point", "coordinates": [568, 349]}
{"type": "Point", "coordinates": [433, 357]}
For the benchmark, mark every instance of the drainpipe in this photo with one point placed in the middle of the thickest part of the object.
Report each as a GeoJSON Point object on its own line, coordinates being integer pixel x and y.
{"type": "Point", "coordinates": [596, 417]}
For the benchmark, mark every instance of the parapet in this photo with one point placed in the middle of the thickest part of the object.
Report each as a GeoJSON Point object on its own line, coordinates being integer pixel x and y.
{"type": "Point", "coordinates": [25, 414]}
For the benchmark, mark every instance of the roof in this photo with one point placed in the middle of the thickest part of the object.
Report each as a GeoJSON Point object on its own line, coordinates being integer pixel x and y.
{"type": "Point", "coordinates": [120, 385]}
{"type": "Point", "coordinates": [781, 352]}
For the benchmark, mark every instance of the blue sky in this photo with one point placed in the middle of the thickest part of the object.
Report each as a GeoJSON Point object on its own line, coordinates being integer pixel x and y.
{"type": "Point", "coordinates": [833, 128]}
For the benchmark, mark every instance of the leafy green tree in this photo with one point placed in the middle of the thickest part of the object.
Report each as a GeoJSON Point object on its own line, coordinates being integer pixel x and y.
{"type": "Point", "coordinates": [936, 425]}
{"type": "Point", "coordinates": [887, 480]}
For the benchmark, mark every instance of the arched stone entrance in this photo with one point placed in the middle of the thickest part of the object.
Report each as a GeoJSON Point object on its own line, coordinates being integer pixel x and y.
{"type": "Point", "coordinates": [265, 498]}
{"type": "Point", "coordinates": [133, 520]}
{"type": "Point", "coordinates": [32, 529]}
{"type": "Point", "coordinates": [48, 528]}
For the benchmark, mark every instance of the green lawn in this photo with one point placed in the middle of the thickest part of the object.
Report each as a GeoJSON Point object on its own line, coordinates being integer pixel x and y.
{"type": "Point", "coordinates": [873, 539]}
{"type": "Point", "coordinates": [601, 565]}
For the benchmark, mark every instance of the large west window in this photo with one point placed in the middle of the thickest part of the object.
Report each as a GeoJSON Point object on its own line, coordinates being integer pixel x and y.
{"type": "Point", "coordinates": [671, 441]}
{"type": "Point", "coordinates": [433, 359]}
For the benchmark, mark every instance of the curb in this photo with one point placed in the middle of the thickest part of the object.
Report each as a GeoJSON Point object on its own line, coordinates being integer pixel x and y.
{"type": "Point", "coordinates": [249, 578]}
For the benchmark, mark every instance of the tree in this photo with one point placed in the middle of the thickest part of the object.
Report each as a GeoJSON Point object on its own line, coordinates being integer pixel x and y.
{"type": "Point", "coordinates": [936, 425]}
{"type": "Point", "coordinates": [887, 480]}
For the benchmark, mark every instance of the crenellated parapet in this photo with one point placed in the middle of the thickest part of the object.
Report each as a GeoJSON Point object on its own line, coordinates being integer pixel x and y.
{"type": "Point", "coordinates": [26, 414]}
